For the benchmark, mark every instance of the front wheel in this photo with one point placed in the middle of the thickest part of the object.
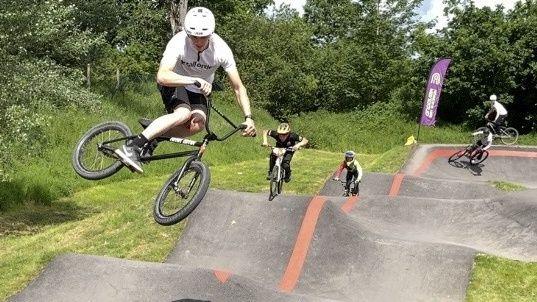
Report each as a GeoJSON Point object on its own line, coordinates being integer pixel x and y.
{"type": "Point", "coordinates": [93, 157]}
{"type": "Point", "coordinates": [275, 184]}
{"type": "Point", "coordinates": [509, 136]}
{"type": "Point", "coordinates": [181, 193]}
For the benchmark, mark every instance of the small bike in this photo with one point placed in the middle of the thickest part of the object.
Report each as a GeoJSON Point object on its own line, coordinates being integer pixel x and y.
{"type": "Point", "coordinates": [353, 189]}
{"type": "Point", "coordinates": [507, 135]}
{"type": "Point", "coordinates": [278, 173]}
{"type": "Point", "coordinates": [94, 158]}
{"type": "Point", "coordinates": [474, 153]}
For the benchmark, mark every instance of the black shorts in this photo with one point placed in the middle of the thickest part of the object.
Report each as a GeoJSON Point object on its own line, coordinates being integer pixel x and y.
{"type": "Point", "coordinates": [174, 97]}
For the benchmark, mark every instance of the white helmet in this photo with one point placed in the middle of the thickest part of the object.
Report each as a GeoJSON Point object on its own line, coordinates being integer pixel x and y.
{"type": "Point", "coordinates": [493, 98]}
{"type": "Point", "coordinates": [199, 22]}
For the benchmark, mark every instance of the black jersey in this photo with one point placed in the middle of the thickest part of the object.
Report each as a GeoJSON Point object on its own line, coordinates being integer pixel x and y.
{"type": "Point", "coordinates": [290, 141]}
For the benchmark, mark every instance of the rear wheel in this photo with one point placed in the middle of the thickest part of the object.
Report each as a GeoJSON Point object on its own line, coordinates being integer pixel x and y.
{"type": "Point", "coordinates": [509, 135]}
{"type": "Point", "coordinates": [93, 163]}
{"type": "Point", "coordinates": [181, 193]}
{"type": "Point", "coordinates": [474, 159]}
{"type": "Point", "coordinates": [457, 155]}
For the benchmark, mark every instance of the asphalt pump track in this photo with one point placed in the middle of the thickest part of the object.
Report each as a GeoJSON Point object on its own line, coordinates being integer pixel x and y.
{"type": "Point", "coordinates": [411, 236]}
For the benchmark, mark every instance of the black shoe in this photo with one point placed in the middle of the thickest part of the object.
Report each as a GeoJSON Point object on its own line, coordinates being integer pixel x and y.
{"type": "Point", "coordinates": [130, 156]}
{"type": "Point", "coordinates": [149, 148]}
{"type": "Point", "coordinates": [287, 179]}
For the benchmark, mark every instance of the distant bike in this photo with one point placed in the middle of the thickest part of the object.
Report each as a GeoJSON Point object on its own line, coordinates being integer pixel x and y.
{"type": "Point", "coordinates": [507, 135]}
{"type": "Point", "coordinates": [277, 174]}
{"type": "Point", "coordinates": [94, 158]}
{"type": "Point", "coordinates": [349, 191]}
{"type": "Point", "coordinates": [472, 152]}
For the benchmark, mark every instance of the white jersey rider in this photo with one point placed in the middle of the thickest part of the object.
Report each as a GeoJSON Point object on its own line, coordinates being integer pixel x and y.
{"type": "Point", "coordinates": [185, 77]}
{"type": "Point", "coordinates": [496, 114]}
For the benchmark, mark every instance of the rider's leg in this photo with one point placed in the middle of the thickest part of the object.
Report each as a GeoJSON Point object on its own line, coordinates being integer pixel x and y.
{"type": "Point", "coordinates": [286, 165]}
{"type": "Point", "coordinates": [353, 179]}
{"type": "Point", "coordinates": [348, 181]}
{"type": "Point", "coordinates": [187, 113]}
{"type": "Point", "coordinates": [499, 122]}
{"type": "Point", "coordinates": [177, 103]}
{"type": "Point", "coordinates": [272, 162]}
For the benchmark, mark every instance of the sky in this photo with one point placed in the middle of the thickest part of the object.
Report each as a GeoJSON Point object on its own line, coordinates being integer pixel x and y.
{"type": "Point", "coordinates": [429, 10]}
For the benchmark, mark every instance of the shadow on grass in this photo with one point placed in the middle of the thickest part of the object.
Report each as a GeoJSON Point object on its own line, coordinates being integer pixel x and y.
{"type": "Point", "coordinates": [30, 218]}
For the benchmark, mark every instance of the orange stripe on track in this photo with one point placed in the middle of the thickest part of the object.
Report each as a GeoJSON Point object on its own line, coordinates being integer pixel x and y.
{"type": "Point", "coordinates": [512, 153]}
{"type": "Point", "coordinates": [396, 184]}
{"type": "Point", "coordinates": [303, 240]}
{"type": "Point", "coordinates": [349, 204]}
{"type": "Point", "coordinates": [431, 157]}
{"type": "Point", "coordinates": [222, 276]}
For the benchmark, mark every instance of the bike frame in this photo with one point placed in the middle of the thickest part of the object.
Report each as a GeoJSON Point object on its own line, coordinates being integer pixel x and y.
{"type": "Point", "coordinates": [278, 162]}
{"type": "Point", "coordinates": [192, 154]}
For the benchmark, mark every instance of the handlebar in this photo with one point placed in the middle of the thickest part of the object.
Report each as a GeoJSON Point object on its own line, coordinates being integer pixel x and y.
{"type": "Point", "coordinates": [273, 147]}
{"type": "Point", "coordinates": [211, 134]}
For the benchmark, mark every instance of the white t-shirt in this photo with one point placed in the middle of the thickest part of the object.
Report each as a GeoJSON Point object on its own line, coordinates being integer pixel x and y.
{"type": "Point", "coordinates": [500, 110]}
{"type": "Point", "coordinates": [181, 53]}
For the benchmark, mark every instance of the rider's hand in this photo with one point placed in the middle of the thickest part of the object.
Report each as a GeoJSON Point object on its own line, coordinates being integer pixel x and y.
{"type": "Point", "coordinates": [205, 86]}
{"type": "Point", "coordinates": [250, 127]}
{"type": "Point", "coordinates": [294, 148]}
{"type": "Point", "coordinates": [336, 178]}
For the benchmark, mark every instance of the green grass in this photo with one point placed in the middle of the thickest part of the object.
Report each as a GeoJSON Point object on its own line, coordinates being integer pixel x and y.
{"type": "Point", "coordinates": [498, 279]}
{"type": "Point", "coordinates": [110, 220]}
{"type": "Point", "coordinates": [507, 186]}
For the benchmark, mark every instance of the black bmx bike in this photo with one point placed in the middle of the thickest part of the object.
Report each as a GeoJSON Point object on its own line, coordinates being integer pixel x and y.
{"type": "Point", "coordinates": [473, 153]}
{"type": "Point", "coordinates": [277, 174]}
{"type": "Point", "coordinates": [507, 135]}
{"type": "Point", "coordinates": [94, 158]}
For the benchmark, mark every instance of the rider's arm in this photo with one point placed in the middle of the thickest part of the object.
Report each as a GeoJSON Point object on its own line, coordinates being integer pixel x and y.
{"type": "Point", "coordinates": [489, 114]}
{"type": "Point", "coordinates": [489, 142]}
{"type": "Point", "coordinates": [166, 75]}
{"type": "Point", "coordinates": [340, 169]}
{"type": "Point", "coordinates": [359, 168]}
{"type": "Point", "coordinates": [242, 98]}
{"type": "Point", "coordinates": [477, 133]}
{"type": "Point", "coordinates": [301, 143]}
{"type": "Point", "coordinates": [265, 135]}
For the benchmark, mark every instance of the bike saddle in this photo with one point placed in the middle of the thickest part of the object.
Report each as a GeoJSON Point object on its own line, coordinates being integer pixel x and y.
{"type": "Point", "coordinates": [145, 122]}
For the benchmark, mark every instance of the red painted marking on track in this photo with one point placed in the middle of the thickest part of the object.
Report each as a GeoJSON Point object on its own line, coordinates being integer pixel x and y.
{"type": "Point", "coordinates": [349, 204]}
{"type": "Point", "coordinates": [222, 276]}
{"type": "Point", "coordinates": [431, 157]}
{"type": "Point", "coordinates": [396, 184]}
{"type": "Point", "coordinates": [303, 240]}
{"type": "Point", "coordinates": [426, 163]}
{"type": "Point", "coordinates": [512, 153]}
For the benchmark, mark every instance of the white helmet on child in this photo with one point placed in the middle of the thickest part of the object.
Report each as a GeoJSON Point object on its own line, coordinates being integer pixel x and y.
{"type": "Point", "coordinates": [493, 97]}
{"type": "Point", "coordinates": [199, 22]}
{"type": "Point", "coordinates": [349, 156]}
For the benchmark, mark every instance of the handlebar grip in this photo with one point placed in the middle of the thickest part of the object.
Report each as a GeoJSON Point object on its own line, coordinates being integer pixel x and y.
{"type": "Point", "coordinates": [197, 84]}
